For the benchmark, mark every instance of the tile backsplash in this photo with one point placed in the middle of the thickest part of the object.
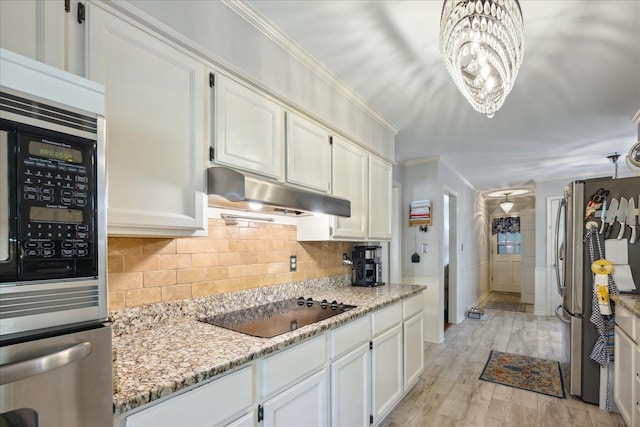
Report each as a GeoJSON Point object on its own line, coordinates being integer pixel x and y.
{"type": "Point", "coordinates": [233, 257]}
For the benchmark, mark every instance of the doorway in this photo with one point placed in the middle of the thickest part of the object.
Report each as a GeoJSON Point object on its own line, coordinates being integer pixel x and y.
{"type": "Point", "coordinates": [506, 255]}
{"type": "Point", "coordinates": [449, 256]}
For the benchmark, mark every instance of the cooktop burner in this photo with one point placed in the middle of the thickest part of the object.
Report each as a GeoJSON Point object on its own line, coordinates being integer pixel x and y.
{"type": "Point", "coordinates": [269, 320]}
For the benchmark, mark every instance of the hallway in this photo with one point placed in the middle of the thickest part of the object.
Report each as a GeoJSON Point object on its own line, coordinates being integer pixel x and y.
{"type": "Point", "coordinates": [450, 393]}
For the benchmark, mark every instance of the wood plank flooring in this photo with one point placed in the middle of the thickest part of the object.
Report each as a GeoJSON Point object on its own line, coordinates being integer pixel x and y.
{"type": "Point", "coordinates": [450, 393]}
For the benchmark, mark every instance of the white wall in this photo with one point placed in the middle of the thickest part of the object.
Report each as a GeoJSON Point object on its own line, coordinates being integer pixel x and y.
{"type": "Point", "coordinates": [233, 43]}
{"type": "Point", "coordinates": [430, 180]}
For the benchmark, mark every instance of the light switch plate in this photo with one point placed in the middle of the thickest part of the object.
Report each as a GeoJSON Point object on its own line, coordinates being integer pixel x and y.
{"type": "Point", "coordinates": [425, 248]}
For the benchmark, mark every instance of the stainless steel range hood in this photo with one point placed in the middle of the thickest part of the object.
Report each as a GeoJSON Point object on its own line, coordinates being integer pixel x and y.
{"type": "Point", "coordinates": [240, 189]}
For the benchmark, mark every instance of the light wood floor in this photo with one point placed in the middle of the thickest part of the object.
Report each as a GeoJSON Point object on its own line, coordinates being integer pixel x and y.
{"type": "Point", "coordinates": [450, 393]}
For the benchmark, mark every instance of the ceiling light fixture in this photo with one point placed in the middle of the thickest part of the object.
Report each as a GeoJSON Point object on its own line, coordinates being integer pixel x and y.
{"type": "Point", "coordinates": [506, 205]}
{"type": "Point", "coordinates": [481, 43]}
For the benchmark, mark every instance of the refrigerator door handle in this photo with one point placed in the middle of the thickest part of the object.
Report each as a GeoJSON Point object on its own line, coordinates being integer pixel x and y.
{"type": "Point", "coordinates": [560, 314]}
{"type": "Point", "coordinates": [16, 371]}
{"type": "Point", "coordinates": [559, 256]}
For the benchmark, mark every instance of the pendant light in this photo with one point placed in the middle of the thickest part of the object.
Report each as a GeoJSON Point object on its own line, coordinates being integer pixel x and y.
{"type": "Point", "coordinates": [506, 205]}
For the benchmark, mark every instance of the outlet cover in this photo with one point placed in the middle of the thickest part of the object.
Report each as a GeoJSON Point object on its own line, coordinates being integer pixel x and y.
{"type": "Point", "coordinates": [293, 263]}
{"type": "Point", "coordinates": [425, 248]}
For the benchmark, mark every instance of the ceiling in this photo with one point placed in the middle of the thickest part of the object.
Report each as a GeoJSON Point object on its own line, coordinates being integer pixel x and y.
{"type": "Point", "coordinates": [571, 106]}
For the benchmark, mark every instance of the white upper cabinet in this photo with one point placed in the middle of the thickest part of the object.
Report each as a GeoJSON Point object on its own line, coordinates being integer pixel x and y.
{"type": "Point", "coordinates": [350, 180]}
{"type": "Point", "coordinates": [380, 187]}
{"type": "Point", "coordinates": [249, 129]}
{"type": "Point", "coordinates": [43, 30]}
{"type": "Point", "coordinates": [308, 154]}
{"type": "Point", "coordinates": [155, 110]}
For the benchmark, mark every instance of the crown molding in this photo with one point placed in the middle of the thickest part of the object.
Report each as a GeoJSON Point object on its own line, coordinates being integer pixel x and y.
{"type": "Point", "coordinates": [276, 35]}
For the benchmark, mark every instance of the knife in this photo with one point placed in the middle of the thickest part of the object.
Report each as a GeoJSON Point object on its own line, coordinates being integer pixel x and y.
{"type": "Point", "coordinates": [602, 215]}
{"type": "Point", "coordinates": [631, 219]}
{"type": "Point", "coordinates": [621, 215]}
{"type": "Point", "coordinates": [611, 216]}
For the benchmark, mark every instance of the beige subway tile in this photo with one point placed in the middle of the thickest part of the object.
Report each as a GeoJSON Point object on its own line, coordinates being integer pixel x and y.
{"type": "Point", "coordinates": [123, 281]}
{"type": "Point", "coordinates": [143, 296]}
{"type": "Point", "coordinates": [158, 246]}
{"type": "Point", "coordinates": [116, 300]}
{"type": "Point", "coordinates": [277, 267]}
{"type": "Point", "coordinates": [220, 231]}
{"type": "Point", "coordinates": [141, 263]}
{"type": "Point", "coordinates": [275, 245]}
{"type": "Point", "coordinates": [216, 273]}
{"type": "Point", "coordinates": [190, 245]}
{"type": "Point", "coordinates": [175, 261]}
{"type": "Point", "coordinates": [248, 284]}
{"type": "Point", "coordinates": [115, 263]}
{"type": "Point", "coordinates": [159, 278]}
{"type": "Point", "coordinates": [204, 288]}
{"type": "Point", "coordinates": [230, 258]}
{"type": "Point", "coordinates": [216, 245]}
{"type": "Point", "coordinates": [273, 256]}
{"type": "Point", "coordinates": [190, 275]}
{"type": "Point", "coordinates": [249, 257]}
{"type": "Point", "coordinates": [176, 292]}
{"type": "Point", "coordinates": [124, 245]}
{"type": "Point", "coordinates": [266, 280]}
{"type": "Point", "coordinates": [239, 245]}
{"type": "Point", "coordinates": [247, 270]}
{"type": "Point", "coordinates": [204, 259]}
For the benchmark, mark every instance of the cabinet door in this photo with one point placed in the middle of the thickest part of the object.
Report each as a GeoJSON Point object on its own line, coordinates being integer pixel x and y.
{"type": "Point", "coordinates": [349, 180]}
{"type": "Point", "coordinates": [35, 29]}
{"type": "Point", "coordinates": [308, 154]}
{"type": "Point", "coordinates": [351, 388]}
{"type": "Point", "coordinates": [249, 129]}
{"type": "Point", "coordinates": [155, 121]}
{"type": "Point", "coordinates": [380, 187]}
{"type": "Point", "coordinates": [623, 382]}
{"type": "Point", "coordinates": [413, 350]}
{"type": "Point", "coordinates": [386, 378]}
{"type": "Point", "coordinates": [305, 404]}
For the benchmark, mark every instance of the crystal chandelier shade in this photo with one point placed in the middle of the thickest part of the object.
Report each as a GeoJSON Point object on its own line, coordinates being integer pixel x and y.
{"type": "Point", "coordinates": [481, 44]}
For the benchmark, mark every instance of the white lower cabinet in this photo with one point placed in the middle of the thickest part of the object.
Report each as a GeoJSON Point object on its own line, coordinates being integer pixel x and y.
{"type": "Point", "coordinates": [413, 350]}
{"type": "Point", "coordinates": [209, 405]}
{"type": "Point", "coordinates": [351, 388]}
{"type": "Point", "coordinates": [247, 420]}
{"type": "Point", "coordinates": [386, 378]}
{"type": "Point", "coordinates": [305, 404]}
{"type": "Point", "coordinates": [624, 395]}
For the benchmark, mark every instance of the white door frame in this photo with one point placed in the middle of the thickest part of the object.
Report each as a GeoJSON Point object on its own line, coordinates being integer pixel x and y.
{"type": "Point", "coordinates": [493, 252]}
{"type": "Point", "coordinates": [453, 260]}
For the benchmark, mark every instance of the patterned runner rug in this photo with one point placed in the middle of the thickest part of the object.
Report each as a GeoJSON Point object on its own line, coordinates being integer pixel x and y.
{"type": "Point", "coordinates": [524, 372]}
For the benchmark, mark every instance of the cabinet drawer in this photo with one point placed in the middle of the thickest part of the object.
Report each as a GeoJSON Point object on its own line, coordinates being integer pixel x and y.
{"type": "Point", "coordinates": [625, 320]}
{"type": "Point", "coordinates": [350, 336]}
{"type": "Point", "coordinates": [206, 405]}
{"type": "Point", "coordinates": [386, 318]}
{"type": "Point", "coordinates": [412, 306]}
{"type": "Point", "coordinates": [290, 365]}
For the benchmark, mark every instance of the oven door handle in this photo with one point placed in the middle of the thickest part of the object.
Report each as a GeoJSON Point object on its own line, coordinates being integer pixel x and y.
{"type": "Point", "coordinates": [16, 371]}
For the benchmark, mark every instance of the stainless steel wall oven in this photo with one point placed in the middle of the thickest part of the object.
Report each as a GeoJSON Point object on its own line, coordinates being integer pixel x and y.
{"type": "Point", "coordinates": [55, 339]}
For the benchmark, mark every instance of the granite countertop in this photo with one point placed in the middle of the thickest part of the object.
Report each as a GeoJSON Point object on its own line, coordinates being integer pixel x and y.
{"type": "Point", "coordinates": [629, 301]}
{"type": "Point", "coordinates": [153, 363]}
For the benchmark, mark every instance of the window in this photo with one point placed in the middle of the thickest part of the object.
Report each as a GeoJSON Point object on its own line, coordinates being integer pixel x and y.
{"type": "Point", "coordinates": [508, 243]}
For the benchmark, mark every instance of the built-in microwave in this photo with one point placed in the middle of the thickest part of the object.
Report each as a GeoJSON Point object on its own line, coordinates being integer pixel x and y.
{"type": "Point", "coordinates": [51, 228]}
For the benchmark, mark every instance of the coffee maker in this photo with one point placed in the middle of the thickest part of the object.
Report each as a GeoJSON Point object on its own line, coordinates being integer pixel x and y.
{"type": "Point", "coordinates": [367, 266]}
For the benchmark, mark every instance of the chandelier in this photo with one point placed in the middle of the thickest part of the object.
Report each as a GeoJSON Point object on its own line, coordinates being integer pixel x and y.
{"type": "Point", "coordinates": [481, 44]}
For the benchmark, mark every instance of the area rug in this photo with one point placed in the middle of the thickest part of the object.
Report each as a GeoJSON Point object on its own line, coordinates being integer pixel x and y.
{"type": "Point", "coordinates": [527, 373]}
{"type": "Point", "coordinates": [506, 306]}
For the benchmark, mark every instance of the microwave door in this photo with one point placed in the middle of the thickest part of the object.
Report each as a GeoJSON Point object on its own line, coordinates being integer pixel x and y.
{"type": "Point", "coordinates": [8, 264]}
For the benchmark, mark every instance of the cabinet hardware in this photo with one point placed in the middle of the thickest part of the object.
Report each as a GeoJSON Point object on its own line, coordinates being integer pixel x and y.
{"type": "Point", "coordinates": [330, 140]}
{"type": "Point", "coordinates": [67, 6]}
{"type": "Point", "coordinates": [370, 419]}
{"type": "Point", "coordinates": [212, 154]}
{"type": "Point", "coordinates": [260, 413]}
{"type": "Point", "coordinates": [81, 13]}
{"type": "Point", "coordinates": [212, 80]}
{"type": "Point", "coordinates": [370, 345]}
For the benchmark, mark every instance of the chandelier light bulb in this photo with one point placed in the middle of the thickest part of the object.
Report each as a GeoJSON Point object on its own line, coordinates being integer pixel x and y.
{"type": "Point", "coordinates": [481, 44]}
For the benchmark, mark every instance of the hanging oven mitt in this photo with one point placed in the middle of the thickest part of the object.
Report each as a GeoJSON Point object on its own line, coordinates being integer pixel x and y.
{"type": "Point", "coordinates": [602, 268]}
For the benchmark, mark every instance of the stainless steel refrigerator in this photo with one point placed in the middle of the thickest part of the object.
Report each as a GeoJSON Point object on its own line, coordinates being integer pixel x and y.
{"type": "Point", "coordinates": [574, 276]}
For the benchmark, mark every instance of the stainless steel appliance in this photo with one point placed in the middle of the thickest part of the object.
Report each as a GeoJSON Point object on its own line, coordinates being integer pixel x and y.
{"type": "Point", "coordinates": [55, 341]}
{"type": "Point", "coordinates": [269, 320]}
{"type": "Point", "coordinates": [367, 266]}
{"type": "Point", "coordinates": [574, 276]}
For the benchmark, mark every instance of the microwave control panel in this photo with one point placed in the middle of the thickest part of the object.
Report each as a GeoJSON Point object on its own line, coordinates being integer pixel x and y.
{"type": "Point", "coordinates": [56, 194]}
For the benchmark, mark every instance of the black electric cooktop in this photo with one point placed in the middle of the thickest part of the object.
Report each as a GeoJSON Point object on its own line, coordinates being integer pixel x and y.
{"type": "Point", "coordinates": [269, 320]}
